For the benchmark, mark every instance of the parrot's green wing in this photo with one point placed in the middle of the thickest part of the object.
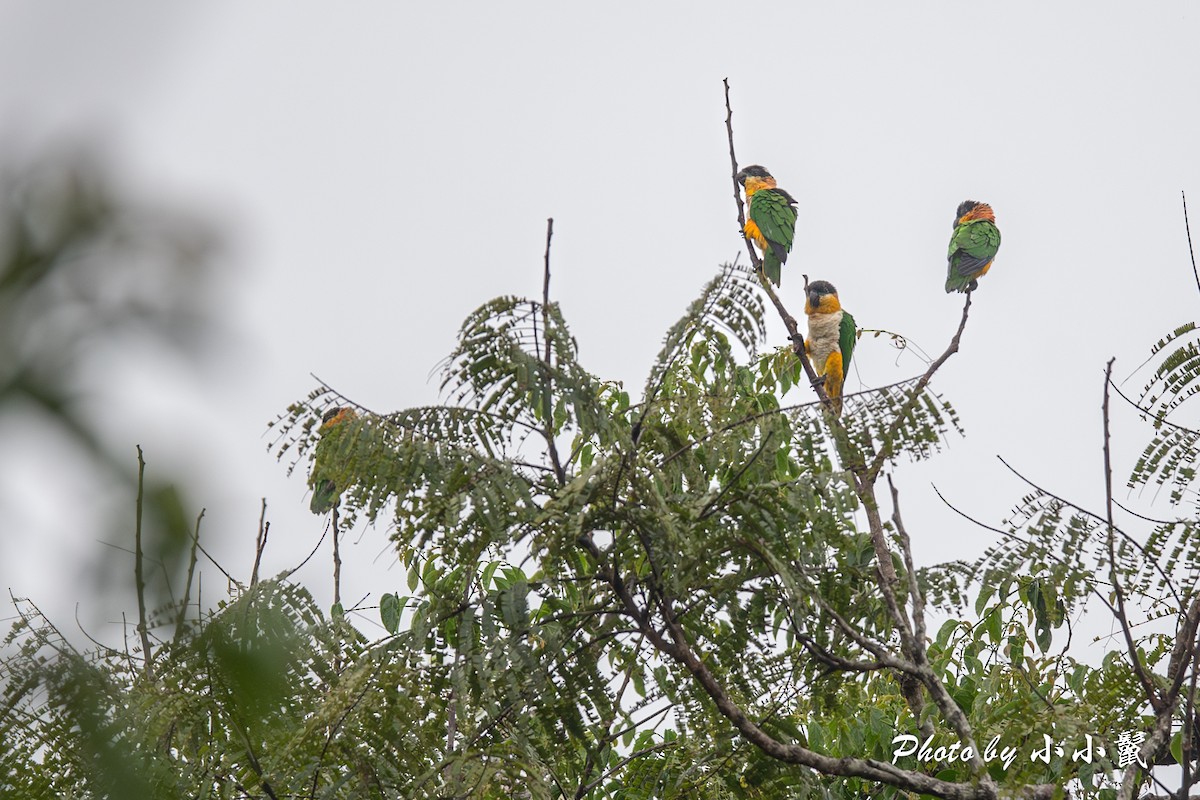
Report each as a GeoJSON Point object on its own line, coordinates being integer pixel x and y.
{"type": "Point", "coordinates": [332, 458]}
{"type": "Point", "coordinates": [324, 498]}
{"type": "Point", "coordinates": [973, 245]}
{"type": "Point", "coordinates": [774, 212]}
{"type": "Point", "coordinates": [847, 338]}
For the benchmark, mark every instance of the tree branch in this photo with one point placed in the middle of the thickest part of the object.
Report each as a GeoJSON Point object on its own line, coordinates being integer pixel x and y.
{"type": "Point", "coordinates": [886, 442]}
{"type": "Point", "coordinates": [260, 542]}
{"type": "Point", "coordinates": [138, 574]}
{"type": "Point", "coordinates": [789, 321]}
{"type": "Point", "coordinates": [1147, 682]}
{"type": "Point", "coordinates": [547, 399]}
{"type": "Point", "coordinates": [1191, 250]}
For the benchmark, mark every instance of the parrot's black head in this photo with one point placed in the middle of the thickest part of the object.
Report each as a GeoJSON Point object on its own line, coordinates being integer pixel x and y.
{"type": "Point", "coordinates": [752, 171]}
{"type": "Point", "coordinates": [816, 290]}
{"type": "Point", "coordinates": [973, 209]}
{"type": "Point", "coordinates": [819, 288]}
{"type": "Point", "coordinates": [331, 413]}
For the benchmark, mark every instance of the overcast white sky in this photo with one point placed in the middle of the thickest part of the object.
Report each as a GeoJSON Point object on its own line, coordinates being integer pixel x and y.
{"type": "Point", "coordinates": [381, 169]}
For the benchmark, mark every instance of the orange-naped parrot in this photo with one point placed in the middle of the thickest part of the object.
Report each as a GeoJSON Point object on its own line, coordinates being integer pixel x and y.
{"type": "Point", "coordinates": [325, 488]}
{"type": "Point", "coordinates": [972, 247]}
{"type": "Point", "coordinates": [772, 219]}
{"type": "Point", "coordinates": [832, 335]}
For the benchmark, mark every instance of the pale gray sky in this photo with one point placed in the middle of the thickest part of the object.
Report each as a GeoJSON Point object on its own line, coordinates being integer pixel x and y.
{"type": "Point", "coordinates": [381, 169]}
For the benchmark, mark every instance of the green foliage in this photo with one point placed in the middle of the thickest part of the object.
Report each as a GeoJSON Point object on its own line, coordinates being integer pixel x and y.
{"type": "Point", "coordinates": [1170, 457]}
{"type": "Point", "coordinates": [709, 496]}
{"type": "Point", "coordinates": [564, 545]}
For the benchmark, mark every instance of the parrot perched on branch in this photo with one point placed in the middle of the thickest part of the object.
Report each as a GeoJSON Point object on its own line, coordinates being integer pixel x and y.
{"type": "Point", "coordinates": [832, 335]}
{"type": "Point", "coordinates": [771, 222]}
{"type": "Point", "coordinates": [972, 247]}
{"type": "Point", "coordinates": [325, 490]}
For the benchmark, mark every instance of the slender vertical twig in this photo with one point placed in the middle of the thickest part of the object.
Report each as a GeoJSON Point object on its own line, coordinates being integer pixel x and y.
{"type": "Point", "coordinates": [260, 542]}
{"type": "Point", "coordinates": [138, 575]}
{"type": "Point", "coordinates": [1189, 727]}
{"type": "Point", "coordinates": [1148, 686]}
{"type": "Point", "coordinates": [788, 320]}
{"type": "Point", "coordinates": [546, 288]}
{"type": "Point", "coordinates": [187, 586]}
{"type": "Point", "coordinates": [547, 398]}
{"type": "Point", "coordinates": [1191, 250]}
{"type": "Point", "coordinates": [337, 559]}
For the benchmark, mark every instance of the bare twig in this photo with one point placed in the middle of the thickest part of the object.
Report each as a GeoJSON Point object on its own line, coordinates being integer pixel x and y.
{"type": "Point", "coordinates": [138, 575]}
{"type": "Point", "coordinates": [287, 574]}
{"type": "Point", "coordinates": [1189, 723]}
{"type": "Point", "coordinates": [912, 692]}
{"type": "Point", "coordinates": [886, 442]}
{"type": "Point", "coordinates": [1191, 250]}
{"type": "Point", "coordinates": [333, 729]}
{"type": "Point", "coordinates": [187, 586]}
{"type": "Point", "coordinates": [260, 542]}
{"type": "Point", "coordinates": [547, 397]}
{"type": "Point", "coordinates": [337, 559]}
{"type": "Point", "coordinates": [1144, 678]}
{"type": "Point", "coordinates": [789, 321]}
{"type": "Point", "coordinates": [546, 288]}
{"type": "Point", "coordinates": [1132, 542]}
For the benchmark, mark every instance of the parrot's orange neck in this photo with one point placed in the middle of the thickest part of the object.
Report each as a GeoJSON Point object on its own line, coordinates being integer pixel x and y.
{"type": "Point", "coordinates": [753, 184]}
{"type": "Point", "coordinates": [981, 211]}
{"type": "Point", "coordinates": [826, 305]}
{"type": "Point", "coordinates": [343, 415]}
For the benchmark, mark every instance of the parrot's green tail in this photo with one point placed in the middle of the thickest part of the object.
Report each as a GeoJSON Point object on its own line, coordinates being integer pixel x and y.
{"type": "Point", "coordinates": [771, 267]}
{"type": "Point", "coordinates": [960, 283]}
{"type": "Point", "coordinates": [325, 497]}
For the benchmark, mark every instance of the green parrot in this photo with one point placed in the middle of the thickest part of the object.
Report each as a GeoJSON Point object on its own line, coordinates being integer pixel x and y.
{"type": "Point", "coordinates": [832, 335]}
{"type": "Point", "coordinates": [972, 247]}
{"type": "Point", "coordinates": [772, 222]}
{"type": "Point", "coordinates": [326, 492]}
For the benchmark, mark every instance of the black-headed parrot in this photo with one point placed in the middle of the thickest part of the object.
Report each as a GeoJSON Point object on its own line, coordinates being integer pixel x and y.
{"type": "Point", "coordinates": [972, 247]}
{"type": "Point", "coordinates": [771, 222]}
{"type": "Point", "coordinates": [832, 335]}
{"type": "Point", "coordinates": [325, 489]}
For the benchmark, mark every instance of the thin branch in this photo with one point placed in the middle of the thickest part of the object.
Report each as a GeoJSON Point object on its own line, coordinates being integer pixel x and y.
{"type": "Point", "coordinates": [1160, 418]}
{"type": "Point", "coordinates": [547, 396]}
{"type": "Point", "coordinates": [870, 769]}
{"type": "Point", "coordinates": [711, 504]}
{"type": "Point", "coordinates": [187, 586]}
{"type": "Point", "coordinates": [337, 558]}
{"type": "Point", "coordinates": [772, 412]}
{"type": "Point", "coordinates": [583, 790]}
{"type": "Point", "coordinates": [260, 543]}
{"type": "Point", "coordinates": [1122, 618]}
{"type": "Point", "coordinates": [609, 736]}
{"type": "Point", "coordinates": [886, 441]}
{"type": "Point", "coordinates": [918, 598]}
{"type": "Point", "coordinates": [139, 577]}
{"type": "Point", "coordinates": [911, 689]}
{"type": "Point", "coordinates": [789, 321]}
{"type": "Point", "coordinates": [1191, 250]}
{"type": "Point", "coordinates": [1189, 723]}
{"type": "Point", "coordinates": [546, 289]}
{"type": "Point", "coordinates": [1014, 537]}
{"type": "Point", "coordinates": [307, 558]}
{"type": "Point", "coordinates": [333, 729]}
{"type": "Point", "coordinates": [1166, 579]}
